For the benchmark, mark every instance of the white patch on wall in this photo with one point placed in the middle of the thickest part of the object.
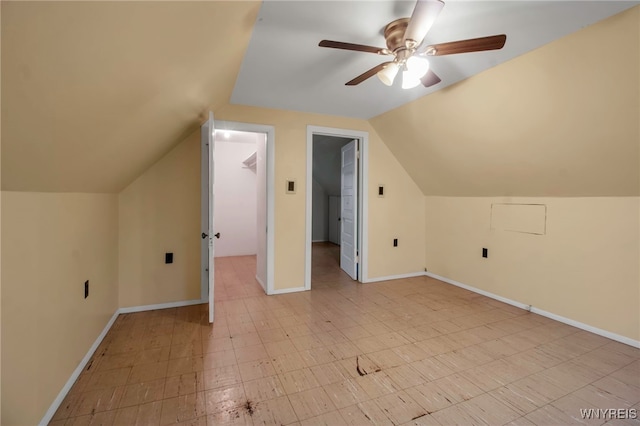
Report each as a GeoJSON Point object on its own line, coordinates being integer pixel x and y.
{"type": "Point", "coordinates": [524, 218]}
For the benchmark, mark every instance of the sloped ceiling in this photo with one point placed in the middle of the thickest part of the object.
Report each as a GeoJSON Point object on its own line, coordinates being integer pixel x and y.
{"type": "Point", "coordinates": [284, 67]}
{"type": "Point", "coordinates": [559, 121]}
{"type": "Point", "coordinates": [93, 93]}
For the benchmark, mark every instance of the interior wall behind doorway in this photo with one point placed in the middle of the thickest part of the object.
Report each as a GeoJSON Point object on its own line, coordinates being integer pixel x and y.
{"type": "Point", "coordinates": [326, 185]}
{"type": "Point", "coordinates": [235, 199]}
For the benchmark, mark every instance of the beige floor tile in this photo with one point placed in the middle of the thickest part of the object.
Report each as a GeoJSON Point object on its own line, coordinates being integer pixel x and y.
{"type": "Point", "coordinates": [372, 412]}
{"type": "Point", "coordinates": [439, 346]}
{"type": "Point", "coordinates": [311, 403]}
{"type": "Point", "coordinates": [332, 372]}
{"type": "Point", "coordinates": [431, 368]}
{"type": "Point", "coordinates": [183, 408]}
{"type": "Point", "coordinates": [298, 380]}
{"type": "Point", "coordinates": [345, 393]}
{"type": "Point", "coordinates": [179, 366]}
{"type": "Point", "coordinates": [108, 379]}
{"type": "Point", "coordinates": [222, 376]}
{"type": "Point", "coordinates": [251, 353]}
{"type": "Point", "coordinates": [328, 419]}
{"type": "Point", "coordinates": [343, 350]}
{"type": "Point", "coordinates": [184, 384]}
{"type": "Point", "coordinates": [377, 384]}
{"type": "Point", "coordinates": [104, 418]}
{"type": "Point", "coordinates": [405, 376]}
{"type": "Point", "coordinates": [280, 347]}
{"type": "Point", "coordinates": [127, 415]}
{"type": "Point", "coordinates": [253, 370]}
{"type": "Point", "coordinates": [400, 407]}
{"type": "Point", "coordinates": [141, 393]}
{"type": "Point", "coordinates": [148, 372]}
{"type": "Point", "coordinates": [218, 359]}
{"type": "Point", "coordinates": [235, 417]}
{"type": "Point", "coordinates": [154, 355]}
{"type": "Point", "coordinates": [318, 356]}
{"type": "Point", "coordinates": [537, 389]}
{"type": "Point", "coordinates": [210, 345]}
{"type": "Point", "coordinates": [264, 389]}
{"type": "Point", "coordinates": [98, 400]}
{"type": "Point", "coordinates": [224, 399]}
{"type": "Point", "coordinates": [625, 391]}
{"type": "Point", "coordinates": [277, 411]}
{"type": "Point", "coordinates": [185, 350]}
{"type": "Point", "coordinates": [288, 362]}
{"type": "Point", "coordinates": [115, 362]}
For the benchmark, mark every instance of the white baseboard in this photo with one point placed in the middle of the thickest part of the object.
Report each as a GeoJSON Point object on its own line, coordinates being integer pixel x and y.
{"type": "Point", "coordinates": [264, 287]}
{"type": "Point", "coordinates": [394, 277]}
{"type": "Point", "coordinates": [587, 327]}
{"type": "Point", "coordinates": [319, 241]}
{"type": "Point", "coordinates": [76, 373]}
{"type": "Point", "coordinates": [479, 291]}
{"type": "Point", "coordinates": [533, 309]}
{"type": "Point", "coordinates": [143, 308]}
{"type": "Point", "coordinates": [288, 290]}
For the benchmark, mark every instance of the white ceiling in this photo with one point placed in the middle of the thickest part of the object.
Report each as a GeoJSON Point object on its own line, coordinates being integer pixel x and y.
{"type": "Point", "coordinates": [284, 68]}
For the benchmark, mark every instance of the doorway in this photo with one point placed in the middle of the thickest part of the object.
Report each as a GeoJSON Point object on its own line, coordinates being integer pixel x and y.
{"type": "Point", "coordinates": [242, 169]}
{"type": "Point", "coordinates": [336, 220]}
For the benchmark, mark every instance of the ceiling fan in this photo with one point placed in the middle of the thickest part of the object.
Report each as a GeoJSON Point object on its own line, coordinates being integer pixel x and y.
{"type": "Point", "coordinates": [404, 39]}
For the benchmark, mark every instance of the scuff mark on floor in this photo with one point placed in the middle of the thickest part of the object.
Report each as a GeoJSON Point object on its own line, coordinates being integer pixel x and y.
{"type": "Point", "coordinates": [360, 372]}
{"type": "Point", "coordinates": [249, 407]}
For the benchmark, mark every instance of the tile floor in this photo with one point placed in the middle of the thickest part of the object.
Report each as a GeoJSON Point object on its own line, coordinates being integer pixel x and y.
{"type": "Point", "coordinates": [407, 352]}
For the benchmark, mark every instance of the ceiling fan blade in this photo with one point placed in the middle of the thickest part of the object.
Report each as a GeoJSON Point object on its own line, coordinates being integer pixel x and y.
{"type": "Point", "coordinates": [367, 74]}
{"type": "Point", "coordinates": [350, 46]}
{"type": "Point", "coordinates": [422, 18]}
{"type": "Point", "coordinates": [430, 79]}
{"type": "Point", "coordinates": [464, 46]}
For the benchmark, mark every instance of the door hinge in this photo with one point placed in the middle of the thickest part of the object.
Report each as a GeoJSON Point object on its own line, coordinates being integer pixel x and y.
{"type": "Point", "coordinates": [358, 154]}
{"type": "Point", "coordinates": [357, 259]}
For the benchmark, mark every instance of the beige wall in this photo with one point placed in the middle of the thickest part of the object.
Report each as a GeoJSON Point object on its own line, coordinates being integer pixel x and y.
{"type": "Point", "coordinates": [398, 215]}
{"type": "Point", "coordinates": [586, 266]}
{"type": "Point", "coordinates": [51, 244]}
{"type": "Point", "coordinates": [558, 121]}
{"type": "Point", "coordinates": [160, 212]}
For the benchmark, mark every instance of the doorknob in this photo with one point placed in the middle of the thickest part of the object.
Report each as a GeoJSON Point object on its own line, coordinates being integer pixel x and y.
{"type": "Point", "coordinates": [204, 235]}
{"type": "Point", "coordinates": [217, 235]}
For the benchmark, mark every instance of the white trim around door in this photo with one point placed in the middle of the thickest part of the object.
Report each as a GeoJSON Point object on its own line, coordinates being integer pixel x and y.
{"type": "Point", "coordinates": [270, 133]}
{"type": "Point", "coordinates": [363, 197]}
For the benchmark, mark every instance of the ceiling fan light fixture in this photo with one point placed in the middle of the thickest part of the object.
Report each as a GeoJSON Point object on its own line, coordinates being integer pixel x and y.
{"type": "Point", "coordinates": [388, 73]}
{"type": "Point", "coordinates": [417, 66]}
{"type": "Point", "coordinates": [409, 80]}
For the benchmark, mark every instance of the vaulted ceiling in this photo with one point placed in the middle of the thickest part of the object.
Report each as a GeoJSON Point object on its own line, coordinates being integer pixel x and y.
{"type": "Point", "coordinates": [93, 93]}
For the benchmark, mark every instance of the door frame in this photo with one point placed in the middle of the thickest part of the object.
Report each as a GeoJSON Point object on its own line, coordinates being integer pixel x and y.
{"type": "Point", "coordinates": [363, 196]}
{"type": "Point", "coordinates": [269, 131]}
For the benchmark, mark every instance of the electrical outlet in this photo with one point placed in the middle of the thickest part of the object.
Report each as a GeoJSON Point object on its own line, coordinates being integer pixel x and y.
{"type": "Point", "coordinates": [485, 252]}
{"type": "Point", "coordinates": [86, 289]}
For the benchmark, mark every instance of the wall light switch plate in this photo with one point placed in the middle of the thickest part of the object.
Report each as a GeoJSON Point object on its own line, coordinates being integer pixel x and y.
{"type": "Point", "coordinates": [291, 186]}
{"type": "Point", "coordinates": [381, 191]}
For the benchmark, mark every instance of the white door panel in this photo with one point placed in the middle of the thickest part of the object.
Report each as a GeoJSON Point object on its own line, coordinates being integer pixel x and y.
{"type": "Point", "coordinates": [207, 139]}
{"type": "Point", "coordinates": [349, 209]}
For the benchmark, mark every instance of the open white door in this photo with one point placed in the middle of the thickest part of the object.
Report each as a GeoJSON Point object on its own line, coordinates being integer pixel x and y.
{"type": "Point", "coordinates": [207, 139]}
{"type": "Point", "coordinates": [349, 210]}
